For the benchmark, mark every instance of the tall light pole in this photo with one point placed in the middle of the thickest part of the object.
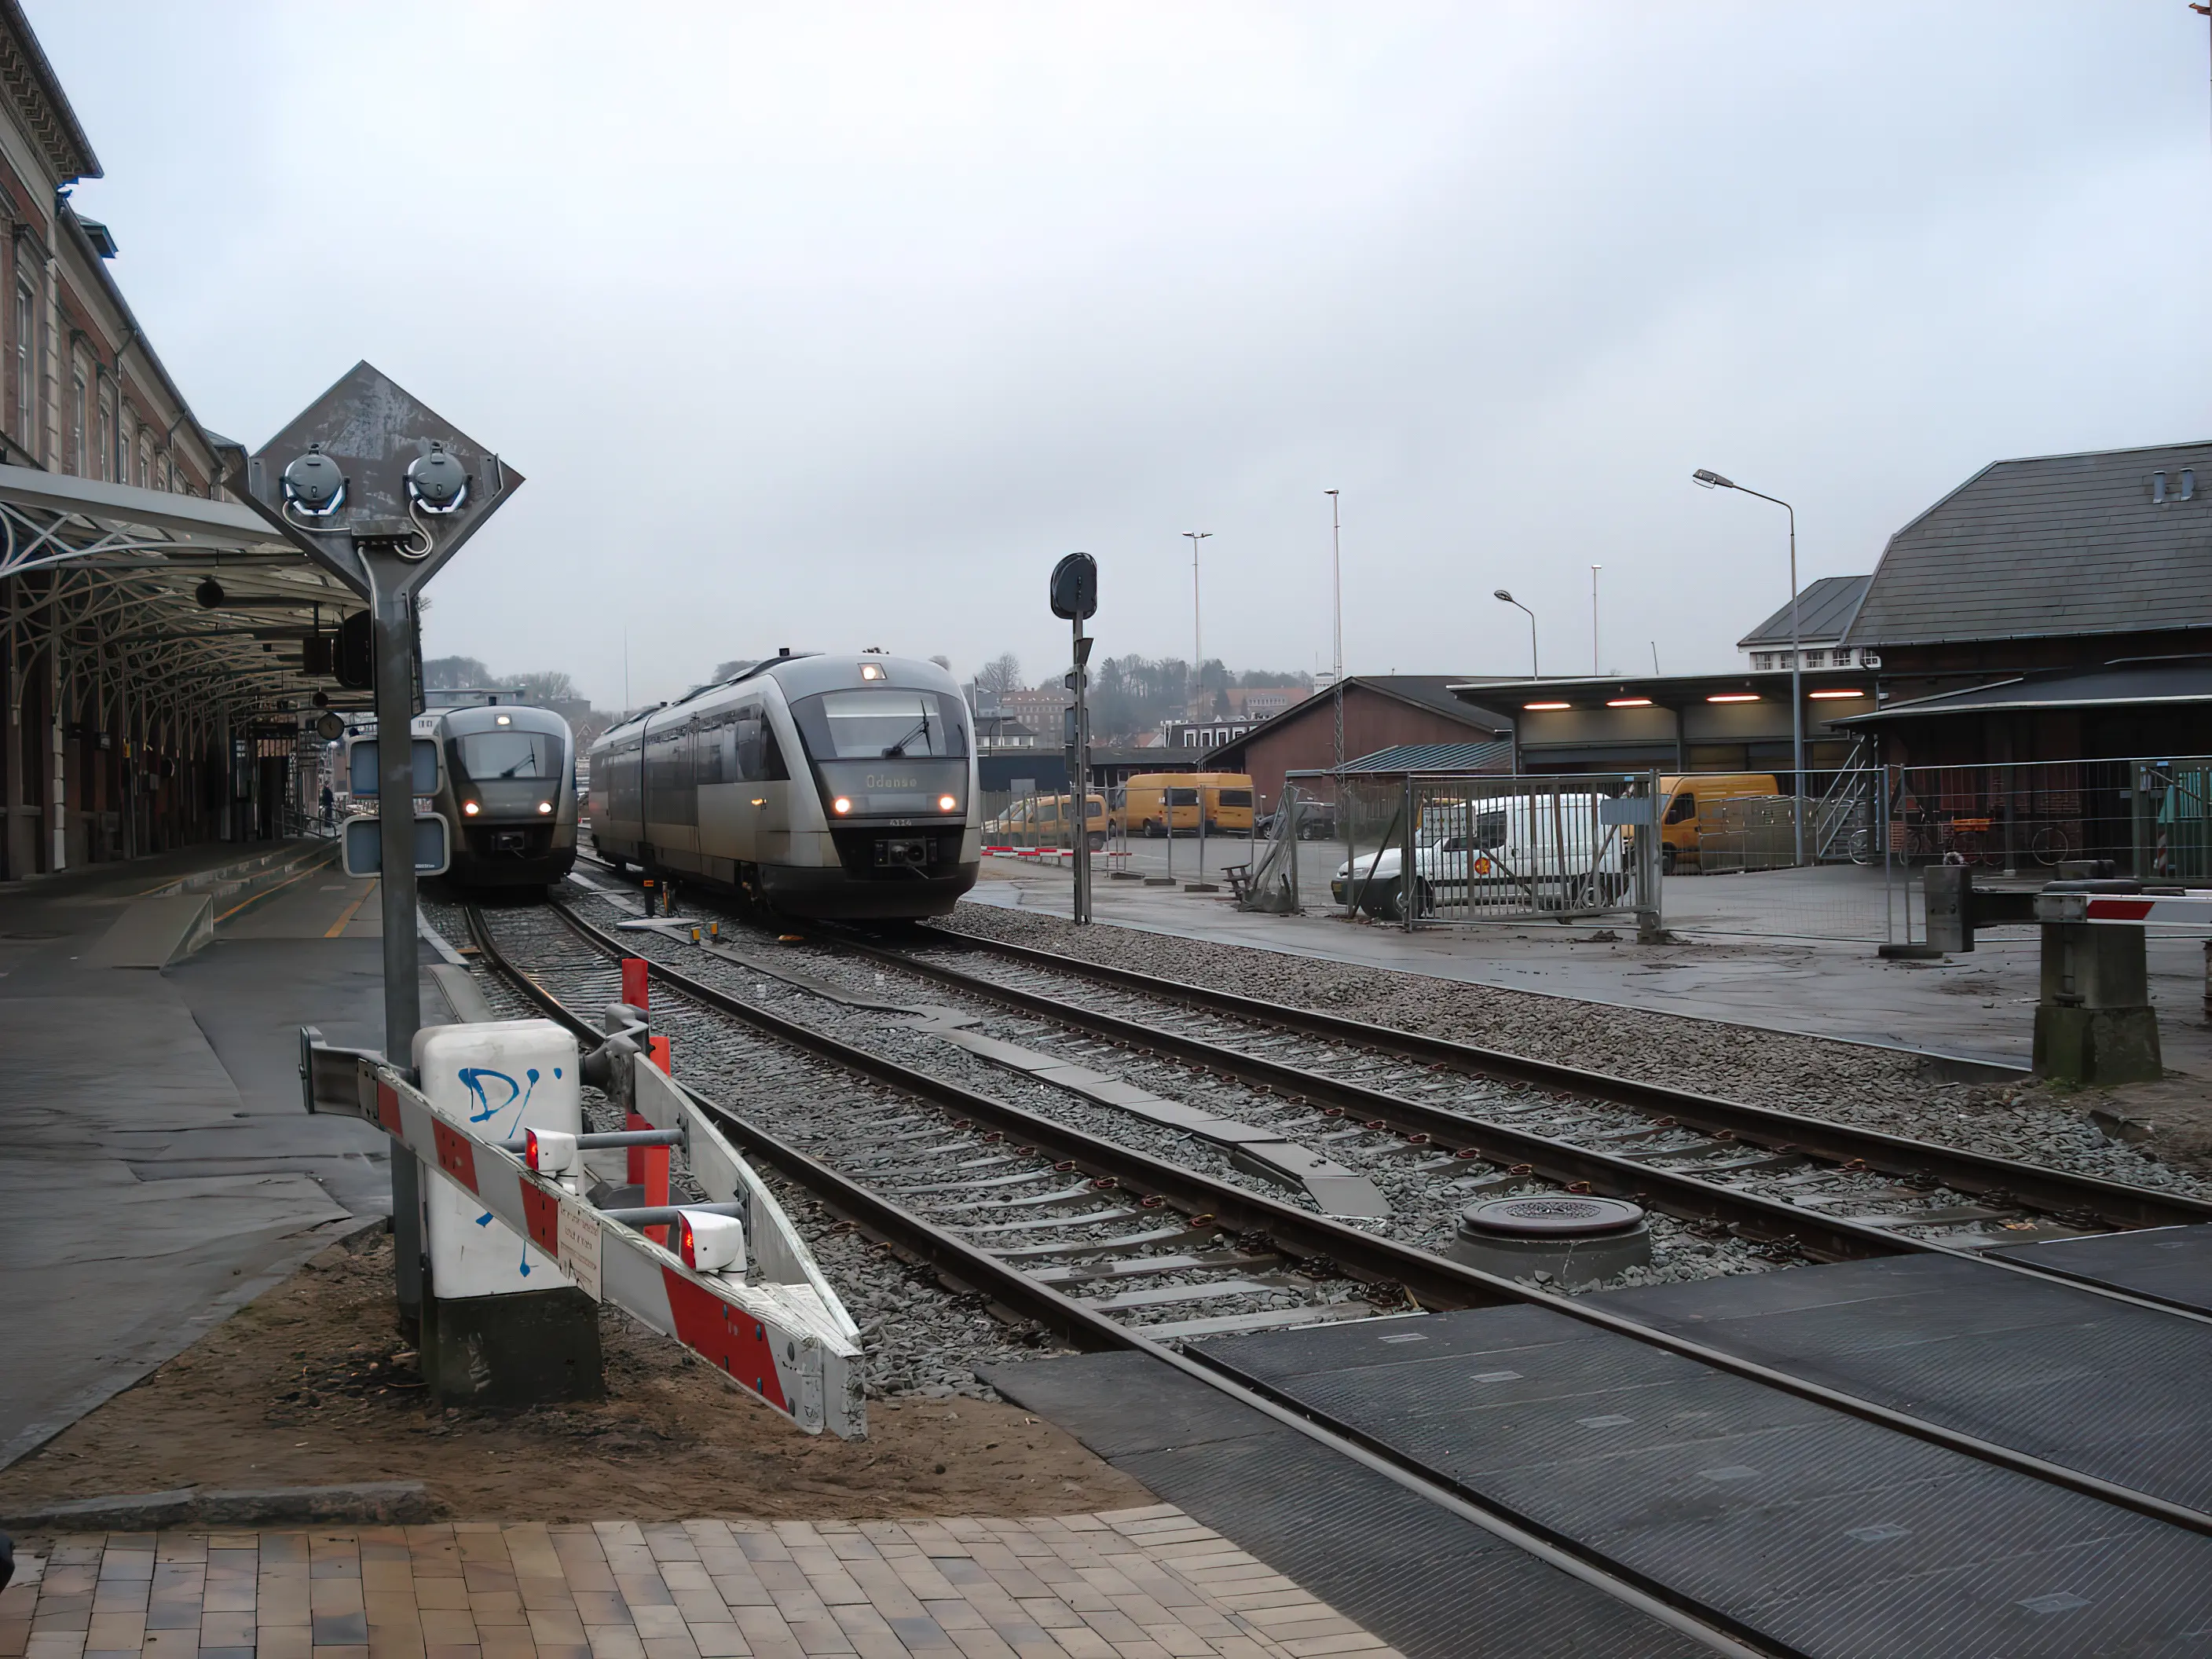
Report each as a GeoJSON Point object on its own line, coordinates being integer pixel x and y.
{"type": "Point", "coordinates": [1534, 672]}
{"type": "Point", "coordinates": [1712, 480]}
{"type": "Point", "coordinates": [1197, 626]}
{"type": "Point", "coordinates": [1597, 665]}
{"type": "Point", "coordinates": [1336, 576]}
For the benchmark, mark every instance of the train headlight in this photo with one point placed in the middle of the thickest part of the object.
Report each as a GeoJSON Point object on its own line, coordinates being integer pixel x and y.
{"type": "Point", "coordinates": [842, 804]}
{"type": "Point", "coordinates": [871, 672]}
{"type": "Point", "coordinates": [471, 808]}
{"type": "Point", "coordinates": [545, 805]}
{"type": "Point", "coordinates": [947, 804]}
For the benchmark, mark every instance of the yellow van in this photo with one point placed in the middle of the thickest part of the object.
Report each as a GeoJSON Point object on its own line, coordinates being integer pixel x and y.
{"type": "Point", "coordinates": [1168, 803]}
{"type": "Point", "coordinates": [1689, 806]}
{"type": "Point", "coordinates": [1047, 821]}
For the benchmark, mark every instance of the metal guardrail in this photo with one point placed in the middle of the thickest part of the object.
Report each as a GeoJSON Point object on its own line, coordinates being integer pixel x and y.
{"type": "Point", "coordinates": [785, 1338]}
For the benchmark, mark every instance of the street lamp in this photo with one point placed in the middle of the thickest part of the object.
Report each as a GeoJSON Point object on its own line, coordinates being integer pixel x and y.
{"type": "Point", "coordinates": [1197, 629]}
{"type": "Point", "coordinates": [1596, 666]}
{"type": "Point", "coordinates": [1704, 477]}
{"type": "Point", "coordinates": [1534, 672]}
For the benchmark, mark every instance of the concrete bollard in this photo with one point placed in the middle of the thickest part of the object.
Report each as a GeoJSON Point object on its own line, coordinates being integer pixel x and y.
{"type": "Point", "coordinates": [1949, 893]}
{"type": "Point", "coordinates": [2094, 1023]}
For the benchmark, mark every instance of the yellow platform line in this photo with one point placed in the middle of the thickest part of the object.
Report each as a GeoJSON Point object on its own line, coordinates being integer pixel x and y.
{"type": "Point", "coordinates": [353, 909]}
{"type": "Point", "coordinates": [257, 898]}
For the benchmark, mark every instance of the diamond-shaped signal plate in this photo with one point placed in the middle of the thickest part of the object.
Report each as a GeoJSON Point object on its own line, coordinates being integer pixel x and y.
{"type": "Point", "coordinates": [375, 428]}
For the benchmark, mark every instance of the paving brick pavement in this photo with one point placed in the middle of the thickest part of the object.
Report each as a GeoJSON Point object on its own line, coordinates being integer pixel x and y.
{"type": "Point", "coordinates": [1148, 1583]}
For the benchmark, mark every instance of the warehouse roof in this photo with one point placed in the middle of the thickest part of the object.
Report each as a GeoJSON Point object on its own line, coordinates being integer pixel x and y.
{"type": "Point", "coordinates": [1824, 610]}
{"type": "Point", "coordinates": [2117, 541]}
{"type": "Point", "coordinates": [2122, 684]}
{"type": "Point", "coordinates": [1437, 757]}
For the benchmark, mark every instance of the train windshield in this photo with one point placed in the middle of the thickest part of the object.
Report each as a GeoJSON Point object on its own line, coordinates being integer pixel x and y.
{"type": "Point", "coordinates": [533, 755]}
{"type": "Point", "coordinates": [881, 725]}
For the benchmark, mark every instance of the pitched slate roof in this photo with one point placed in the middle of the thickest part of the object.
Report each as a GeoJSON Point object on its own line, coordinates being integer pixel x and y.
{"type": "Point", "coordinates": [2051, 545]}
{"type": "Point", "coordinates": [1429, 691]}
{"type": "Point", "coordinates": [1437, 757]}
{"type": "Point", "coordinates": [1823, 608]}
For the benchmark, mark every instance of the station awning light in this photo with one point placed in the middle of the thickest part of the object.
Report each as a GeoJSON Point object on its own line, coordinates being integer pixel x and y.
{"type": "Point", "coordinates": [1628, 702]}
{"type": "Point", "coordinates": [1734, 697]}
{"type": "Point", "coordinates": [1547, 705]}
{"type": "Point", "coordinates": [1835, 694]}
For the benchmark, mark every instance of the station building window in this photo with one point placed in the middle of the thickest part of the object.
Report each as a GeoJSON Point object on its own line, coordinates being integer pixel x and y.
{"type": "Point", "coordinates": [26, 320]}
{"type": "Point", "coordinates": [75, 461]}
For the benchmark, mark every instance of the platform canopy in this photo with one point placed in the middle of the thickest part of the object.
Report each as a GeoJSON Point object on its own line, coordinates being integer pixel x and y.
{"type": "Point", "coordinates": [198, 598]}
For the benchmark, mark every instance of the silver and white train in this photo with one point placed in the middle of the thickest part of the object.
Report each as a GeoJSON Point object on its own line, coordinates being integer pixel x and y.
{"type": "Point", "coordinates": [506, 789]}
{"type": "Point", "coordinates": [836, 786]}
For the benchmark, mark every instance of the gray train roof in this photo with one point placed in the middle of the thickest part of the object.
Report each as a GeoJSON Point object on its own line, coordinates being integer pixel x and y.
{"type": "Point", "coordinates": [802, 675]}
{"type": "Point", "coordinates": [518, 717]}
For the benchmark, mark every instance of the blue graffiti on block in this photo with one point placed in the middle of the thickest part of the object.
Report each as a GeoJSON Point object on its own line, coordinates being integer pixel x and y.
{"type": "Point", "coordinates": [474, 1078]}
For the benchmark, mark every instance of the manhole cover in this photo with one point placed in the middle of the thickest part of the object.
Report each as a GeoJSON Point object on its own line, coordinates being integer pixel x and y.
{"type": "Point", "coordinates": [1555, 1217]}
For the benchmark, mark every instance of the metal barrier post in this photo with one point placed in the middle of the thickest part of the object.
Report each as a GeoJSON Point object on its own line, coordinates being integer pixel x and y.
{"type": "Point", "coordinates": [1409, 886]}
{"type": "Point", "coordinates": [1344, 819]}
{"type": "Point", "coordinates": [1650, 918]}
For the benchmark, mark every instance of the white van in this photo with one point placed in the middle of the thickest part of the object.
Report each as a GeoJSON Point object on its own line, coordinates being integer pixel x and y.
{"type": "Point", "coordinates": [1516, 852]}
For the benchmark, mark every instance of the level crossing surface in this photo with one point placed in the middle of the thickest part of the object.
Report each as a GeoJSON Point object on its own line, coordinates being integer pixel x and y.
{"type": "Point", "coordinates": [1816, 1531]}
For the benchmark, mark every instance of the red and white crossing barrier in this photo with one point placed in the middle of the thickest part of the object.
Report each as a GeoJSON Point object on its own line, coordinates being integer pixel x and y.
{"type": "Point", "coordinates": [787, 1338]}
{"type": "Point", "coordinates": [2190, 909]}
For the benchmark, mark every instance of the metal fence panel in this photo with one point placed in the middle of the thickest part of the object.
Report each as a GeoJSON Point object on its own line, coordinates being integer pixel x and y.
{"type": "Point", "coordinates": [1431, 848]}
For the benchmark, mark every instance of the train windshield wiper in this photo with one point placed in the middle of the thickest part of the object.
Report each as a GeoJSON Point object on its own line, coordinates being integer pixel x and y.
{"type": "Point", "coordinates": [898, 748]}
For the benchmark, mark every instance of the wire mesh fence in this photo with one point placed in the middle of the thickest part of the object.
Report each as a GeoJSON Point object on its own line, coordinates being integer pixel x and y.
{"type": "Point", "coordinates": [1428, 849]}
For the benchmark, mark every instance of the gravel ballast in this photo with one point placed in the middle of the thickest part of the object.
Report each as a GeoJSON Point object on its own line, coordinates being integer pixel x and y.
{"type": "Point", "coordinates": [1845, 1082]}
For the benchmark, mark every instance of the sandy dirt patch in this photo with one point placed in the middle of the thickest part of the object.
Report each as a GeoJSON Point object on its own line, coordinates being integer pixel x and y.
{"type": "Point", "coordinates": [313, 1385]}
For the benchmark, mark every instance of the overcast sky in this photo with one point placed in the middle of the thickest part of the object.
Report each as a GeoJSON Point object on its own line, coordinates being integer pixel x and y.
{"type": "Point", "coordinates": [831, 326]}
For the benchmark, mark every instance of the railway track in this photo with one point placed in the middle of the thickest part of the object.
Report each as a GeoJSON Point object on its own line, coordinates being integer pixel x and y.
{"type": "Point", "coordinates": [1072, 1230]}
{"type": "Point", "coordinates": [1696, 1155]}
{"type": "Point", "coordinates": [1440, 1123]}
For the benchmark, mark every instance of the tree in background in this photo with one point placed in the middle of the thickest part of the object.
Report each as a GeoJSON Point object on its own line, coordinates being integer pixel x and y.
{"type": "Point", "coordinates": [550, 687]}
{"type": "Point", "coordinates": [453, 673]}
{"type": "Point", "coordinates": [1002, 674]}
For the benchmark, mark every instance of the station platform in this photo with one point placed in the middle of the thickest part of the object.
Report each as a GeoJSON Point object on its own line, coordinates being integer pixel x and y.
{"type": "Point", "coordinates": [1808, 1529]}
{"type": "Point", "coordinates": [161, 1172]}
{"type": "Point", "coordinates": [1128, 1584]}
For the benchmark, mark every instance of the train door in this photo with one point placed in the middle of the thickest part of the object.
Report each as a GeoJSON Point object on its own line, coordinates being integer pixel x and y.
{"type": "Point", "coordinates": [764, 804]}
{"type": "Point", "coordinates": [723, 810]}
{"type": "Point", "coordinates": [671, 800]}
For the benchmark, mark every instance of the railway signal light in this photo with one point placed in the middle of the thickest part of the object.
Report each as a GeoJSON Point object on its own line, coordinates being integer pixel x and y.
{"type": "Point", "coordinates": [354, 658]}
{"type": "Point", "coordinates": [1075, 588]}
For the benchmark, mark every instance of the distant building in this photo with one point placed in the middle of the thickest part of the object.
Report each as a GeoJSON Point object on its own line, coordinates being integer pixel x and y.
{"type": "Point", "coordinates": [1038, 708]}
{"type": "Point", "coordinates": [1381, 711]}
{"type": "Point", "coordinates": [1202, 734]}
{"type": "Point", "coordinates": [1825, 610]}
{"type": "Point", "coordinates": [1264, 703]}
{"type": "Point", "coordinates": [1001, 733]}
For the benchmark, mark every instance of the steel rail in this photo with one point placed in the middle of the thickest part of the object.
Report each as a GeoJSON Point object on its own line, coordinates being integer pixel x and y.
{"type": "Point", "coordinates": [2055, 1191]}
{"type": "Point", "coordinates": [1677, 1192]}
{"type": "Point", "coordinates": [1363, 1255]}
{"type": "Point", "coordinates": [1019, 1294]}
